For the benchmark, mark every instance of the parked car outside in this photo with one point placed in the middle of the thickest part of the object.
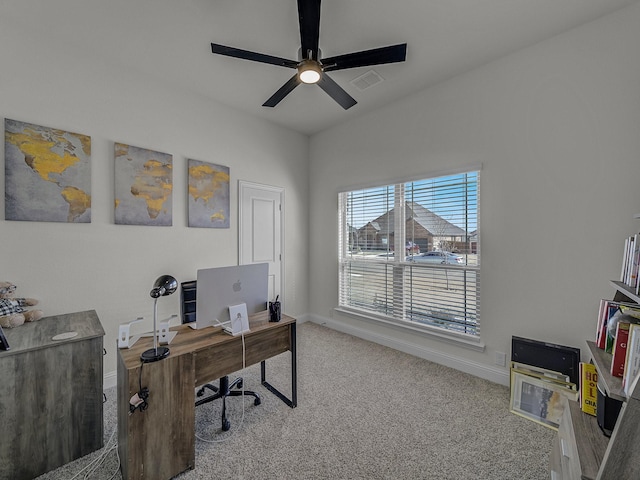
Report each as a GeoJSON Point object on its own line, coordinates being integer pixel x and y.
{"type": "Point", "coordinates": [437, 257]}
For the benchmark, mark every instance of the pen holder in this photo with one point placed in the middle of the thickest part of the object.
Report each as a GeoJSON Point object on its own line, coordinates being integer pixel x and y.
{"type": "Point", "coordinates": [274, 311]}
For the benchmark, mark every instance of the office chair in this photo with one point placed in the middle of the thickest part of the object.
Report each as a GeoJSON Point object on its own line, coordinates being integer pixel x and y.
{"type": "Point", "coordinates": [224, 388]}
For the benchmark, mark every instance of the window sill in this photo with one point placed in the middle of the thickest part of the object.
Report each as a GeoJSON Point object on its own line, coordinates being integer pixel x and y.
{"type": "Point", "coordinates": [465, 341]}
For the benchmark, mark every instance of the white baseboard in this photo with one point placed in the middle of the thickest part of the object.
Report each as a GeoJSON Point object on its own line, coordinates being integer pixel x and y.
{"type": "Point", "coordinates": [110, 379]}
{"type": "Point", "coordinates": [496, 375]}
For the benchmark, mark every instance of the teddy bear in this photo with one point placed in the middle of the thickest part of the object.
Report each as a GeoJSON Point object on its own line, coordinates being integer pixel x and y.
{"type": "Point", "coordinates": [12, 313]}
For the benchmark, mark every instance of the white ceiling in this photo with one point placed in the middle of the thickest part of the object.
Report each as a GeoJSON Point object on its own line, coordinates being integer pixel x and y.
{"type": "Point", "coordinates": [169, 40]}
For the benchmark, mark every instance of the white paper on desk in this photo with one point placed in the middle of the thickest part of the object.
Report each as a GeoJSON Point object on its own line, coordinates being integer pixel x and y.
{"type": "Point", "coordinates": [239, 319]}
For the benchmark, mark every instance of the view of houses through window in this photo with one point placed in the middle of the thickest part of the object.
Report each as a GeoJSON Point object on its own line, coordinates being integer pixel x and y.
{"type": "Point", "coordinates": [409, 252]}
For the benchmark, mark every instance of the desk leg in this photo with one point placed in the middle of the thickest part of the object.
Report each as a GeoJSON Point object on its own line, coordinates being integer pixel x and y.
{"type": "Point", "coordinates": [293, 403]}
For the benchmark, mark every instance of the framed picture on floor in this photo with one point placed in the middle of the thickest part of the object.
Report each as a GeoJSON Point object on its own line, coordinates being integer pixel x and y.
{"type": "Point", "coordinates": [538, 399]}
{"type": "Point", "coordinates": [543, 373]}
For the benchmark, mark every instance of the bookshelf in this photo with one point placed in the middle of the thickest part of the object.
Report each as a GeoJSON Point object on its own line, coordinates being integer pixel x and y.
{"type": "Point", "coordinates": [581, 450]}
{"type": "Point", "coordinates": [602, 360]}
{"type": "Point", "coordinates": [624, 293]}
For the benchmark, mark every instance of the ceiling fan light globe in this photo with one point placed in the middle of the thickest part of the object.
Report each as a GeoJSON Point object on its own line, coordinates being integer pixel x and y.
{"type": "Point", "coordinates": [309, 76]}
{"type": "Point", "coordinates": [309, 72]}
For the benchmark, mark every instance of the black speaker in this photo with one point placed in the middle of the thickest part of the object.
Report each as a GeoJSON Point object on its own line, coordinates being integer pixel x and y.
{"type": "Point", "coordinates": [607, 410]}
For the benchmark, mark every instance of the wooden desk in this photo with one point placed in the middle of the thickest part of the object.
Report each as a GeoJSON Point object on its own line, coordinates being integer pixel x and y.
{"type": "Point", "coordinates": [159, 442]}
{"type": "Point", "coordinates": [50, 394]}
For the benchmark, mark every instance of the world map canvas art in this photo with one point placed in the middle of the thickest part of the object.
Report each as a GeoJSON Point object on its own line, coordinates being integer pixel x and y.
{"type": "Point", "coordinates": [47, 174]}
{"type": "Point", "coordinates": [208, 195]}
{"type": "Point", "coordinates": [143, 186]}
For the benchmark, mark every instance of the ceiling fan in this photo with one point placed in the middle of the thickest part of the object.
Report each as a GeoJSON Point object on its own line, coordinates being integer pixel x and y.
{"type": "Point", "coordinates": [312, 69]}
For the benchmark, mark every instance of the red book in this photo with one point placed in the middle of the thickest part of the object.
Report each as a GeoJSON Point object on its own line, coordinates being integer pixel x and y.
{"type": "Point", "coordinates": [601, 329]}
{"type": "Point", "coordinates": [620, 349]}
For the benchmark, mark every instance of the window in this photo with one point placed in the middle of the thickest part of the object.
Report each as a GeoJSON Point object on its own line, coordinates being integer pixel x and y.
{"type": "Point", "coordinates": [409, 253]}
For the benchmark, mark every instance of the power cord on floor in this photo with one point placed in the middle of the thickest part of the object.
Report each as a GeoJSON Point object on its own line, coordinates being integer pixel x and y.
{"type": "Point", "coordinates": [112, 444]}
{"type": "Point", "coordinates": [244, 360]}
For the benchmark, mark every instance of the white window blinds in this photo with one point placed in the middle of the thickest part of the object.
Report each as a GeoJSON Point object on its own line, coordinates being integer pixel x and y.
{"type": "Point", "coordinates": [410, 252]}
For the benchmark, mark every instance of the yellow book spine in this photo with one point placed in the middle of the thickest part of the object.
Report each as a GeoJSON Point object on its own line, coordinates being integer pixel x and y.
{"type": "Point", "coordinates": [588, 388]}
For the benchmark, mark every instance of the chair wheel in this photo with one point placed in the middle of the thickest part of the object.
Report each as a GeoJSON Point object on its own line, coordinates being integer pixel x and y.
{"type": "Point", "coordinates": [226, 425]}
{"type": "Point", "coordinates": [239, 385]}
{"type": "Point", "coordinates": [200, 393]}
{"type": "Point", "coordinates": [257, 402]}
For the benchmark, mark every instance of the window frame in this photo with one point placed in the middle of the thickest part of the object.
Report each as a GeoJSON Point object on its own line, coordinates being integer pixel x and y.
{"type": "Point", "coordinates": [403, 267]}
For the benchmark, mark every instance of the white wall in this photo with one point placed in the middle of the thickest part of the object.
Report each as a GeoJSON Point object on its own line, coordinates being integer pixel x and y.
{"type": "Point", "coordinates": [556, 129]}
{"type": "Point", "coordinates": [108, 267]}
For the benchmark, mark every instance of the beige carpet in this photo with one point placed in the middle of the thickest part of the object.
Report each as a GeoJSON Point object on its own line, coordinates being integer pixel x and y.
{"type": "Point", "coordinates": [364, 412]}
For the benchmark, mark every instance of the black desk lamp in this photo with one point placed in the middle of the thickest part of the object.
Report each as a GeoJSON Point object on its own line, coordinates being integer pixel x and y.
{"type": "Point", "coordinates": [164, 285]}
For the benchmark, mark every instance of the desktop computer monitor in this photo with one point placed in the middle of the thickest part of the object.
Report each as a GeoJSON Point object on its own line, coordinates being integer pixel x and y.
{"type": "Point", "coordinates": [218, 288]}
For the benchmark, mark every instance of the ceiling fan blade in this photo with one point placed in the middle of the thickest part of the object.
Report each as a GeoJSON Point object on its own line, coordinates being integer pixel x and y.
{"type": "Point", "coordinates": [309, 17]}
{"type": "Point", "coordinates": [253, 56]}
{"type": "Point", "coordinates": [377, 56]}
{"type": "Point", "coordinates": [284, 90]}
{"type": "Point", "coordinates": [336, 92]}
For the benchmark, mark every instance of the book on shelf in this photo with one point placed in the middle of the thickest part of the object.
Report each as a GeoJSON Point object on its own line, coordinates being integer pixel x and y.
{"type": "Point", "coordinates": [610, 309]}
{"type": "Point", "coordinates": [619, 351]}
{"type": "Point", "coordinates": [629, 273]}
{"type": "Point", "coordinates": [625, 257]}
{"type": "Point", "coordinates": [610, 313]}
{"type": "Point", "coordinates": [634, 262]}
{"type": "Point", "coordinates": [632, 360]}
{"type": "Point", "coordinates": [600, 325]}
{"type": "Point", "coordinates": [607, 311]}
{"type": "Point", "coordinates": [605, 340]}
{"type": "Point", "coordinates": [588, 388]}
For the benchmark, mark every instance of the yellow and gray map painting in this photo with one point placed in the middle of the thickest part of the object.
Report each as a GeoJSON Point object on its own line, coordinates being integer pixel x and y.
{"type": "Point", "coordinates": [144, 186]}
{"type": "Point", "coordinates": [47, 174]}
{"type": "Point", "coordinates": [208, 195]}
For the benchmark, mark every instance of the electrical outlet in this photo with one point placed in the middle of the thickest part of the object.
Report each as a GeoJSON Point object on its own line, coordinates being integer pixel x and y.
{"type": "Point", "coordinates": [501, 359]}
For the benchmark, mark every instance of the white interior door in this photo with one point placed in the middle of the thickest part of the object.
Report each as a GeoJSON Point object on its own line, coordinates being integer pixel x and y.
{"type": "Point", "coordinates": [260, 236]}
